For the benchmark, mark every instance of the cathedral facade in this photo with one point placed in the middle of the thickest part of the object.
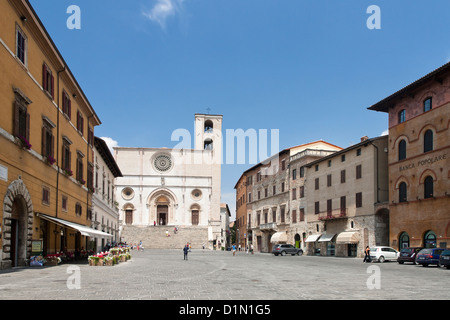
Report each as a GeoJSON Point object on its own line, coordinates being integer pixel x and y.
{"type": "Point", "coordinates": [173, 189]}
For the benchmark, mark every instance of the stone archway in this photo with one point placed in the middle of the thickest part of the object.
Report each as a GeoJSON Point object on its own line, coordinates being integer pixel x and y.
{"type": "Point", "coordinates": [17, 225]}
{"type": "Point", "coordinates": [162, 205]}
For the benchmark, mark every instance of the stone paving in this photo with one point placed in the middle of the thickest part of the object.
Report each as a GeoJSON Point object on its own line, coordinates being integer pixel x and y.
{"type": "Point", "coordinates": [215, 275]}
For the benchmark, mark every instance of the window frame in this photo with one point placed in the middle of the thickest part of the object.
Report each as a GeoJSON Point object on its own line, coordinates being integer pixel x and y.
{"type": "Point", "coordinates": [20, 32]}
{"type": "Point", "coordinates": [425, 107]}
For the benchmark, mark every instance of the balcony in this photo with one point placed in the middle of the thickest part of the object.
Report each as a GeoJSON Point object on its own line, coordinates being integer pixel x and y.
{"type": "Point", "coordinates": [333, 214]}
{"type": "Point", "coordinates": [268, 226]}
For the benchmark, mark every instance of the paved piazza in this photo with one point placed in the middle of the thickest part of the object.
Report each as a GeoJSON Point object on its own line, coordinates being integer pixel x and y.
{"type": "Point", "coordinates": [211, 275]}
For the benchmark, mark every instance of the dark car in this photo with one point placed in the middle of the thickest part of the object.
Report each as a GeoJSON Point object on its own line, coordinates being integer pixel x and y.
{"type": "Point", "coordinates": [429, 256]}
{"type": "Point", "coordinates": [408, 255]}
{"type": "Point", "coordinates": [284, 249]}
{"type": "Point", "coordinates": [444, 259]}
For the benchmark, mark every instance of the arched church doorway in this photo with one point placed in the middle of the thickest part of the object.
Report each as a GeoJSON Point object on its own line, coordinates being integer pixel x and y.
{"type": "Point", "coordinates": [162, 210]}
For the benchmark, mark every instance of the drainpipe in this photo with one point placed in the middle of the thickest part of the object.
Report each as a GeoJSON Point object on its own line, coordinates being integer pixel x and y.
{"type": "Point", "coordinates": [87, 160]}
{"type": "Point", "coordinates": [57, 140]}
{"type": "Point", "coordinates": [378, 187]}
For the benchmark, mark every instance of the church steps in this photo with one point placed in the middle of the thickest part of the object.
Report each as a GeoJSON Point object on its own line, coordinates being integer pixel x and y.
{"type": "Point", "coordinates": [154, 237]}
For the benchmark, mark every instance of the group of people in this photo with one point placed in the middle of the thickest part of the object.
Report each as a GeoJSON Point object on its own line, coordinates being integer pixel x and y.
{"type": "Point", "coordinates": [248, 249]}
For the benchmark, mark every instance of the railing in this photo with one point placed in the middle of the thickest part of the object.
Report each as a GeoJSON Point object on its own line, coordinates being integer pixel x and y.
{"type": "Point", "coordinates": [268, 226]}
{"type": "Point", "coordinates": [333, 214]}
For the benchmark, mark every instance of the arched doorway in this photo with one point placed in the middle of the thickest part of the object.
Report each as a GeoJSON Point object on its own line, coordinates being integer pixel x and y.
{"type": "Point", "coordinates": [297, 240]}
{"type": "Point", "coordinates": [162, 210]}
{"type": "Point", "coordinates": [195, 214]}
{"type": "Point", "coordinates": [162, 205]}
{"type": "Point", "coordinates": [403, 240]}
{"type": "Point", "coordinates": [128, 210]}
{"type": "Point", "coordinates": [17, 215]}
{"type": "Point", "coordinates": [430, 240]}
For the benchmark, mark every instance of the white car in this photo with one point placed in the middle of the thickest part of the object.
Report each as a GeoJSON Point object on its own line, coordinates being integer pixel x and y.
{"type": "Point", "coordinates": [382, 254]}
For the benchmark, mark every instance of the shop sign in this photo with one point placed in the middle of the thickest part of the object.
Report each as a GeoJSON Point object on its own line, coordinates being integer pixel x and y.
{"type": "Point", "coordinates": [423, 162]}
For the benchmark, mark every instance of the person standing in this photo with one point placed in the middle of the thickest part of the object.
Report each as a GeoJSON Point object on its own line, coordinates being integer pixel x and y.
{"type": "Point", "coordinates": [234, 249]}
{"type": "Point", "coordinates": [185, 251]}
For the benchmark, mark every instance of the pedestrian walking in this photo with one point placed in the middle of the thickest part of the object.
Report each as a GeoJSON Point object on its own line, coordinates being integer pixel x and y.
{"type": "Point", "coordinates": [367, 255]}
{"type": "Point", "coordinates": [251, 248]}
{"type": "Point", "coordinates": [234, 249]}
{"type": "Point", "coordinates": [185, 251]}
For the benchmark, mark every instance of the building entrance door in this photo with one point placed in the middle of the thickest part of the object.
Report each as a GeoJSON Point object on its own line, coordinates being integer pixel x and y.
{"type": "Point", "coordinates": [162, 214]}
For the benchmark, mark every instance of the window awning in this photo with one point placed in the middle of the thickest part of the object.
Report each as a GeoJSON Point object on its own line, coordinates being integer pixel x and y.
{"type": "Point", "coordinates": [326, 237]}
{"type": "Point", "coordinates": [313, 237]}
{"type": "Point", "coordinates": [348, 237]}
{"type": "Point", "coordinates": [84, 230]}
{"type": "Point", "coordinates": [279, 237]}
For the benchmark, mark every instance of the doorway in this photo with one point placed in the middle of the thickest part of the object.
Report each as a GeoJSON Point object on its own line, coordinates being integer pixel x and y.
{"type": "Point", "coordinates": [18, 235]}
{"type": "Point", "coordinates": [162, 211]}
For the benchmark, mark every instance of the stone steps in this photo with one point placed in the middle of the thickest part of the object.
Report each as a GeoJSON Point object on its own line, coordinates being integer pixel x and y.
{"type": "Point", "coordinates": [154, 237]}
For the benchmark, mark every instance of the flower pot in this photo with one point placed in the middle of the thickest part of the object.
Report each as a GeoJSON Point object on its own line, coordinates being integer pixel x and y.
{"type": "Point", "coordinates": [52, 262]}
{"type": "Point", "coordinates": [109, 262]}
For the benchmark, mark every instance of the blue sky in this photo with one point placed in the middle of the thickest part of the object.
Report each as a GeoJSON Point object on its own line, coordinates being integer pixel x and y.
{"type": "Point", "coordinates": [309, 68]}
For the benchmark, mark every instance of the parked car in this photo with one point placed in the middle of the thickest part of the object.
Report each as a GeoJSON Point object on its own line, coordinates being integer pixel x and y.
{"type": "Point", "coordinates": [284, 249]}
{"type": "Point", "coordinates": [381, 253]}
{"type": "Point", "coordinates": [408, 255]}
{"type": "Point", "coordinates": [444, 259]}
{"type": "Point", "coordinates": [429, 256]}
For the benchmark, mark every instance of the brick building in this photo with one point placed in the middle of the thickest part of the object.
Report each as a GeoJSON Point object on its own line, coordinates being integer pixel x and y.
{"type": "Point", "coordinates": [419, 164]}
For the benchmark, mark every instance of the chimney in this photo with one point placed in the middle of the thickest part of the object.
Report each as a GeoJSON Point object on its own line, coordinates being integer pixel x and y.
{"type": "Point", "coordinates": [364, 138]}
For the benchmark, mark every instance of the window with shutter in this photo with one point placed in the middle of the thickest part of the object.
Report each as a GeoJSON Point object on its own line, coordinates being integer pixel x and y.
{"type": "Point", "coordinates": [359, 200]}
{"type": "Point", "coordinates": [342, 176]}
{"type": "Point", "coordinates": [428, 141]}
{"type": "Point", "coordinates": [21, 46]}
{"type": "Point", "coordinates": [48, 80]}
{"type": "Point", "coordinates": [358, 171]}
{"type": "Point", "coordinates": [402, 150]}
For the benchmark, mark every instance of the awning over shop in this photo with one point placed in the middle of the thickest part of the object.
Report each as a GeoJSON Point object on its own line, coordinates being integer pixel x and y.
{"type": "Point", "coordinates": [279, 237]}
{"type": "Point", "coordinates": [326, 237]}
{"type": "Point", "coordinates": [348, 237]}
{"type": "Point", "coordinates": [84, 230]}
{"type": "Point", "coordinates": [313, 237]}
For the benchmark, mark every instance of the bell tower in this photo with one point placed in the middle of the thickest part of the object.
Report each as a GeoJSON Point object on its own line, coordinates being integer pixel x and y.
{"type": "Point", "coordinates": [208, 140]}
{"type": "Point", "coordinates": [208, 134]}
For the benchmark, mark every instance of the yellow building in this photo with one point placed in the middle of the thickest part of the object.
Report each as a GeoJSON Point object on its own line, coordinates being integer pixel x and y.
{"type": "Point", "coordinates": [46, 143]}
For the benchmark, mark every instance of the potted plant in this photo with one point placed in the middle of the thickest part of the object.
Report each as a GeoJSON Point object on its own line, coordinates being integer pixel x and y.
{"type": "Point", "coordinates": [50, 160]}
{"type": "Point", "coordinates": [25, 143]}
